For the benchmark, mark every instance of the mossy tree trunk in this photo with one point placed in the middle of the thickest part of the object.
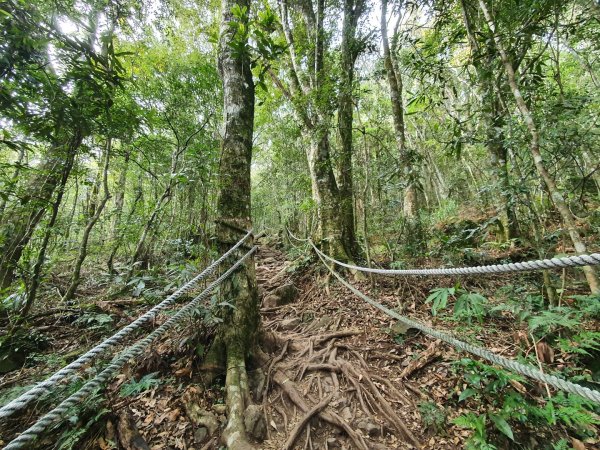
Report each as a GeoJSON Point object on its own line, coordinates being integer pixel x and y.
{"type": "Point", "coordinates": [238, 332]}
{"type": "Point", "coordinates": [309, 91]}
{"type": "Point", "coordinates": [350, 49]}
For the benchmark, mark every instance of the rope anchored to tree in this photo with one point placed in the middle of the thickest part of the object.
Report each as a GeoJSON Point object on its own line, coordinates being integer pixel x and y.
{"type": "Point", "coordinates": [28, 436]}
{"type": "Point", "coordinates": [47, 385]}
{"type": "Point", "coordinates": [514, 366]}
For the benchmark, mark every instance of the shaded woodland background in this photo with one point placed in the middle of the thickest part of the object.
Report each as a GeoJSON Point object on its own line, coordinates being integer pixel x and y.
{"type": "Point", "coordinates": [391, 132]}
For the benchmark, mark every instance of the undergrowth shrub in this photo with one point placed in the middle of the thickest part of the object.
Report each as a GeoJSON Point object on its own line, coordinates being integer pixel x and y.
{"type": "Point", "coordinates": [467, 305]}
{"type": "Point", "coordinates": [503, 416]}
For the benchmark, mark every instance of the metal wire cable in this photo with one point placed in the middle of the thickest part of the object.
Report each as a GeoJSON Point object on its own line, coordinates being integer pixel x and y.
{"type": "Point", "coordinates": [47, 385]}
{"type": "Point", "coordinates": [592, 259]}
{"type": "Point", "coordinates": [514, 366]}
{"type": "Point", "coordinates": [29, 435]}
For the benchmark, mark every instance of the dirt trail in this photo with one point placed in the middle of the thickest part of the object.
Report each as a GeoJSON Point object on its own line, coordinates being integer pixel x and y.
{"type": "Point", "coordinates": [336, 378]}
{"type": "Point", "coordinates": [331, 373]}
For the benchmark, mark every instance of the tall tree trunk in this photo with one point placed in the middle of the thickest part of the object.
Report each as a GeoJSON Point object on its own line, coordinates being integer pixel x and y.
{"type": "Point", "coordinates": [164, 198]}
{"type": "Point", "coordinates": [37, 268]}
{"type": "Point", "coordinates": [494, 116]}
{"type": "Point", "coordinates": [116, 234]}
{"type": "Point", "coordinates": [98, 208]}
{"type": "Point", "coordinates": [239, 330]}
{"type": "Point", "coordinates": [353, 9]}
{"type": "Point", "coordinates": [310, 88]}
{"type": "Point", "coordinates": [555, 193]}
{"type": "Point", "coordinates": [22, 219]}
{"type": "Point", "coordinates": [325, 194]}
{"type": "Point", "coordinates": [411, 200]}
{"type": "Point", "coordinates": [499, 162]}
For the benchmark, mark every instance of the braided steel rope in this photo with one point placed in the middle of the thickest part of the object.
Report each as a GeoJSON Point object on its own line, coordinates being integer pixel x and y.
{"type": "Point", "coordinates": [514, 366]}
{"type": "Point", "coordinates": [540, 264]}
{"type": "Point", "coordinates": [47, 385]}
{"type": "Point", "coordinates": [29, 435]}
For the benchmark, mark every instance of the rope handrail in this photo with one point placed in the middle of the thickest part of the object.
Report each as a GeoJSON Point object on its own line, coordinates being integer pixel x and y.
{"type": "Point", "coordinates": [592, 259]}
{"type": "Point", "coordinates": [29, 435]}
{"type": "Point", "coordinates": [512, 365]}
{"type": "Point", "coordinates": [46, 386]}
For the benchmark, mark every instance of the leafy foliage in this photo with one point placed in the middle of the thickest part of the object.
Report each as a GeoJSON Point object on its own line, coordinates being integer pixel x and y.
{"type": "Point", "coordinates": [467, 305]}
{"type": "Point", "coordinates": [506, 408]}
{"type": "Point", "coordinates": [145, 383]}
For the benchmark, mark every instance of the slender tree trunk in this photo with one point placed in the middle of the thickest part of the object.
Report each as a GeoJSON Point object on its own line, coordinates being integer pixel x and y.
{"type": "Point", "coordinates": [499, 163]}
{"type": "Point", "coordinates": [37, 269]}
{"type": "Point", "coordinates": [22, 219]}
{"type": "Point", "coordinates": [119, 241]}
{"type": "Point", "coordinates": [115, 233]}
{"type": "Point", "coordinates": [158, 207]}
{"type": "Point", "coordinates": [140, 246]}
{"type": "Point", "coordinates": [98, 208]}
{"type": "Point", "coordinates": [238, 333]}
{"type": "Point", "coordinates": [555, 194]}
{"type": "Point", "coordinates": [349, 52]}
{"type": "Point", "coordinates": [411, 201]}
{"type": "Point", "coordinates": [71, 219]}
{"type": "Point", "coordinates": [325, 194]}
{"type": "Point", "coordinates": [494, 116]}
{"type": "Point", "coordinates": [310, 88]}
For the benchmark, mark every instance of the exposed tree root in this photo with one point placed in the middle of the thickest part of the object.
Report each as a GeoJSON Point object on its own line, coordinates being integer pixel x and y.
{"type": "Point", "coordinates": [290, 388]}
{"type": "Point", "coordinates": [316, 365]}
{"type": "Point", "coordinates": [300, 426]}
{"type": "Point", "coordinates": [426, 357]}
{"type": "Point", "coordinates": [238, 398]}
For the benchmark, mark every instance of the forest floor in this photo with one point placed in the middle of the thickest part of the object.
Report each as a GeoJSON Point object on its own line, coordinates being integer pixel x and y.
{"type": "Point", "coordinates": [332, 372]}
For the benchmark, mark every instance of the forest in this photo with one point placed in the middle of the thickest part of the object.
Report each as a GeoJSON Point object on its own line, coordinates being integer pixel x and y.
{"type": "Point", "coordinates": [299, 224]}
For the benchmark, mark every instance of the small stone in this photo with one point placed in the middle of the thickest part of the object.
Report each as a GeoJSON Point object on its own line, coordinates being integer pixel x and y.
{"type": "Point", "coordinates": [289, 324]}
{"type": "Point", "coordinates": [219, 408]}
{"type": "Point", "coordinates": [271, 301]}
{"type": "Point", "coordinates": [200, 435]}
{"type": "Point", "coordinates": [368, 427]}
{"type": "Point", "coordinates": [400, 328]}
{"type": "Point", "coordinates": [287, 293]}
{"type": "Point", "coordinates": [376, 446]}
{"type": "Point", "coordinates": [346, 413]}
{"type": "Point", "coordinates": [333, 443]}
{"type": "Point", "coordinates": [254, 421]}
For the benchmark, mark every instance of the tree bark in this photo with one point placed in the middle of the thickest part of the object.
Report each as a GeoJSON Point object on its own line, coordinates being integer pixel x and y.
{"type": "Point", "coordinates": [555, 193]}
{"type": "Point", "coordinates": [116, 234]}
{"type": "Point", "coordinates": [14, 179]}
{"type": "Point", "coordinates": [239, 329]}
